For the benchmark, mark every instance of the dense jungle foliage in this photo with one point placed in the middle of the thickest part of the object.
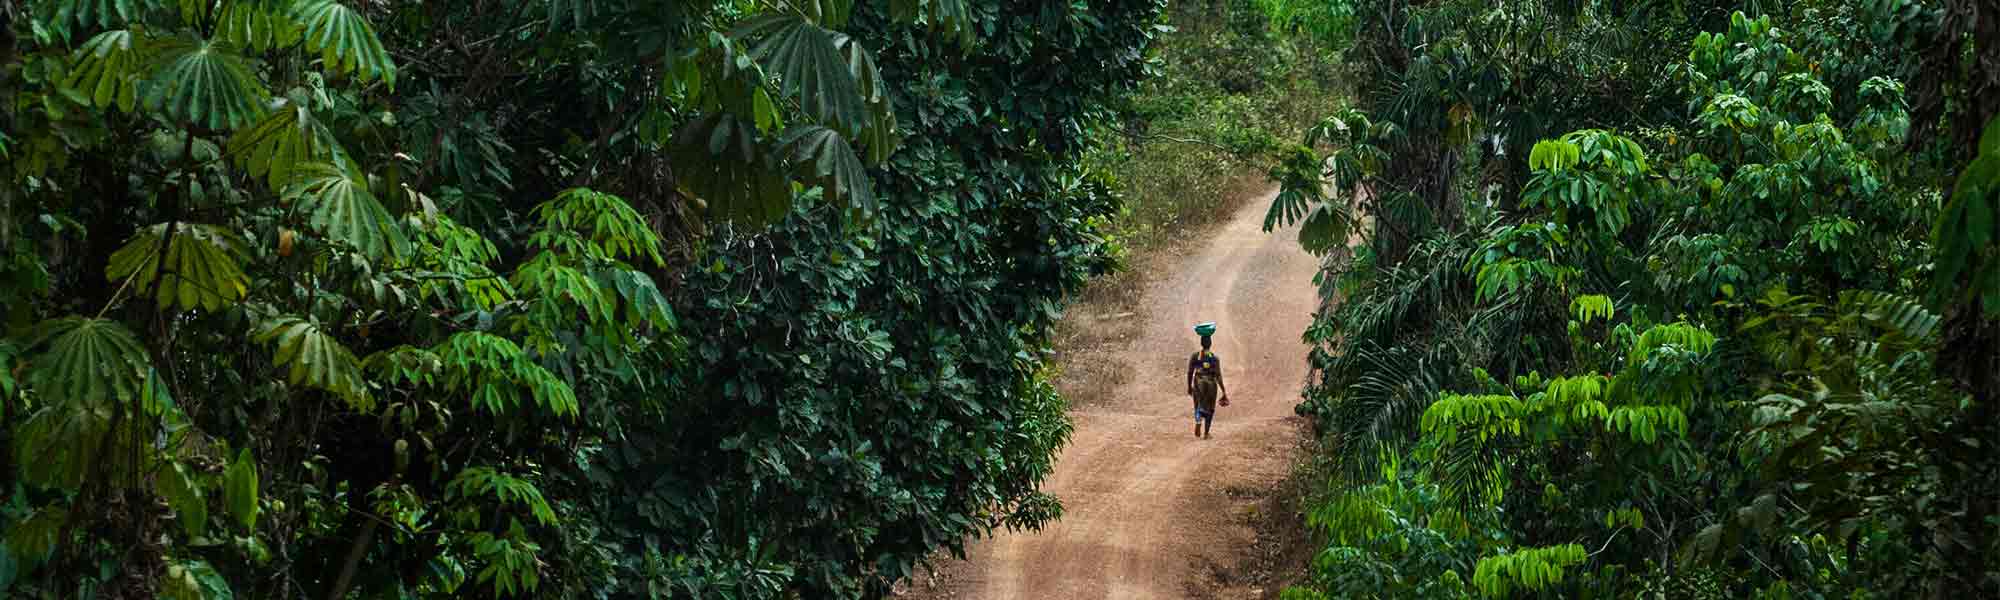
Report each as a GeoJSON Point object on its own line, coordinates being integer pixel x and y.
{"type": "Point", "coordinates": [1231, 81]}
{"type": "Point", "coordinates": [1661, 299]}
{"type": "Point", "coordinates": [536, 298]}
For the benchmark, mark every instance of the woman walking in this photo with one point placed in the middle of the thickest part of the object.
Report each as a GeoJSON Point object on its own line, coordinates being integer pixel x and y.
{"type": "Point", "coordinates": [1204, 381]}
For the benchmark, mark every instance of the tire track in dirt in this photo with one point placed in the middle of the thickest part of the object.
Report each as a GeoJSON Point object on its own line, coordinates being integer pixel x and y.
{"type": "Point", "coordinates": [1150, 513]}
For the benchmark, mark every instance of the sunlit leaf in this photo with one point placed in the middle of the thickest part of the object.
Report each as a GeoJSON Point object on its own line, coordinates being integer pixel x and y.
{"type": "Point", "coordinates": [286, 137]}
{"type": "Point", "coordinates": [107, 69]}
{"type": "Point", "coordinates": [200, 269]}
{"type": "Point", "coordinates": [258, 24]}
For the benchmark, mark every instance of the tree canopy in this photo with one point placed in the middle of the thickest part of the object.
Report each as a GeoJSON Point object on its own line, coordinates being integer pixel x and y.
{"type": "Point", "coordinates": [548, 298]}
{"type": "Point", "coordinates": [1712, 322]}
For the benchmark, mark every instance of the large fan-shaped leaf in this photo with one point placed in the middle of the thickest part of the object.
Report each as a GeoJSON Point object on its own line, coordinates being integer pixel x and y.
{"type": "Point", "coordinates": [199, 270]}
{"type": "Point", "coordinates": [107, 69]}
{"type": "Point", "coordinates": [103, 13]}
{"type": "Point", "coordinates": [206, 83]}
{"type": "Point", "coordinates": [259, 24]}
{"type": "Point", "coordinates": [341, 207]}
{"type": "Point", "coordinates": [345, 41]}
{"type": "Point", "coordinates": [284, 139]}
{"type": "Point", "coordinates": [820, 156]}
{"type": "Point", "coordinates": [87, 365]}
{"type": "Point", "coordinates": [810, 70]}
{"type": "Point", "coordinates": [1324, 229]}
{"type": "Point", "coordinates": [87, 360]}
{"type": "Point", "coordinates": [314, 359]}
{"type": "Point", "coordinates": [879, 136]}
{"type": "Point", "coordinates": [719, 159]}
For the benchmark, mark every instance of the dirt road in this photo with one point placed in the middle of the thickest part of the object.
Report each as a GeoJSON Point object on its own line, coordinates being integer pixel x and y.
{"type": "Point", "coordinates": [1153, 512]}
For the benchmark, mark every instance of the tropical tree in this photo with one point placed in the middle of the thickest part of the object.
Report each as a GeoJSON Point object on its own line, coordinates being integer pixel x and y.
{"type": "Point", "coordinates": [310, 298]}
{"type": "Point", "coordinates": [1688, 352]}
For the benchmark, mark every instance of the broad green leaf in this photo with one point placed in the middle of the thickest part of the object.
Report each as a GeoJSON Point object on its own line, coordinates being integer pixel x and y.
{"type": "Point", "coordinates": [239, 490]}
{"type": "Point", "coordinates": [1324, 229]}
{"type": "Point", "coordinates": [205, 83]}
{"type": "Point", "coordinates": [827, 13]}
{"type": "Point", "coordinates": [200, 269]}
{"type": "Point", "coordinates": [345, 41]}
{"type": "Point", "coordinates": [287, 137]}
{"type": "Point", "coordinates": [879, 136]}
{"type": "Point", "coordinates": [87, 361]}
{"type": "Point", "coordinates": [258, 24]}
{"type": "Point", "coordinates": [103, 13]}
{"type": "Point", "coordinates": [107, 68]}
{"type": "Point", "coordinates": [810, 70]}
{"type": "Point", "coordinates": [314, 359]}
{"type": "Point", "coordinates": [184, 497]}
{"type": "Point", "coordinates": [719, 159]}
{"type": "Point", "coordinates": [820, 156]}
{"type": "Point", "coordinates": [339, 205]}
{"type": "Point", "coordinates": [34, 539]}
